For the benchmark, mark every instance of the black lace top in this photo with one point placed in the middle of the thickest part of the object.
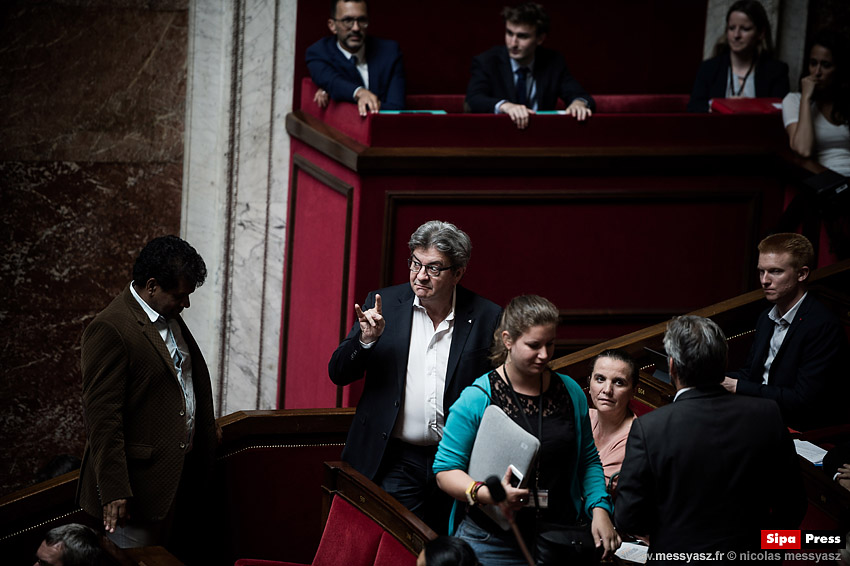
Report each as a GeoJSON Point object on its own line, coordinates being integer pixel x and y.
{"type": "Point", "coordinates": [558, 448]}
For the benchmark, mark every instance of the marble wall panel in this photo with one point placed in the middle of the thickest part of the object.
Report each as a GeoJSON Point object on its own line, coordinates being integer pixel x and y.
{"type": "Point", "coordinates": [241, 61]}
{"type": "Point", "coordinates": [92, 84]}
{"type": "Point", "coordinates": [70, 233]}
{"type": "Point", "coordinates": [92, 112]}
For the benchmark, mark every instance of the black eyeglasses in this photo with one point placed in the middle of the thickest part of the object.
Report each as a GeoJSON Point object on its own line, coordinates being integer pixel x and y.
{"type": "Point", "coordinates": [433, 270]}
{"type": "Point", "coordinates": [348, 22]}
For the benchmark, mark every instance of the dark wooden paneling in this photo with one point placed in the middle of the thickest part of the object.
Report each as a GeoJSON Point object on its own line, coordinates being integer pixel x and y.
{"type": "Point", "coordinates": [268, 487]}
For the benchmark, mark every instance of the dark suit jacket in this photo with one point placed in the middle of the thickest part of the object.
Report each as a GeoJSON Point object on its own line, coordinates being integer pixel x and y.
{"type": "Point", "coordinates": [385, 367]}
{"type": "Point", "coordinates": [707, 473]}
{"type": "Point", "coordinates": [836, 458]}
{"type": "Point", "coordinates": [134, 412]}
{"type": "Point", "coordinates": [771, 81]}
{"type": "Point", "coordinates": [331, 71]}
{"type": "Point", "coordinates": [492, 80]}
{"type": "Point", "coordinates": [807, 378]}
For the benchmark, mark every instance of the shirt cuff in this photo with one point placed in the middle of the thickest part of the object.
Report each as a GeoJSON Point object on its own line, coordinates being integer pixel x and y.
{"type": "Point", "coordinates": [367, 346]}
{"type": "Point", "coordinates": [354, 94]}
{"type": "Point", "coordinates": [498, 106]}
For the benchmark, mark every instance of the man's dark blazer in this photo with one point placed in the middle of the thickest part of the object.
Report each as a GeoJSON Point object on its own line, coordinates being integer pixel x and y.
{"type": "Point", "coordinates": [331, 71]}
{"type": "Point", "coordinates": [836, 458]}
{"type": "Point", "coordinates": [385, 367]}
{"type": "Point", "coordinates": [134, 413]}
{"type": "Point", "coordinates": [492, 80]}
{"type": "Point", "coordinates": [707, 473]}
{"type": "Point", "coordinates": [809, 376]}
{"type": "Point", "coordinates": [771, 81]}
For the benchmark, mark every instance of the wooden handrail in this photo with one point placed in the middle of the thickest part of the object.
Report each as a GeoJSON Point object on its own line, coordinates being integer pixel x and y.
{"type": "Point", "coordinates": [344, 481]}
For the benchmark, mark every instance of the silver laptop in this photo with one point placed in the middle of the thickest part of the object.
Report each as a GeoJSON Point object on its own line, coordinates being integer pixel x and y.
{"type": "Point", "coordinates": [500, 443]}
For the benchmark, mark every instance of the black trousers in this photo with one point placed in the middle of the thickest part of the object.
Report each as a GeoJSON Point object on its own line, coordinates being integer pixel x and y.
{"type": "Point", "coordinates": [407, 474]}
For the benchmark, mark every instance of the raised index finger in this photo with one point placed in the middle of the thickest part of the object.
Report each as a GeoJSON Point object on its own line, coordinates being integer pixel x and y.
{"type": "Point", "coordinates": [378, 304]}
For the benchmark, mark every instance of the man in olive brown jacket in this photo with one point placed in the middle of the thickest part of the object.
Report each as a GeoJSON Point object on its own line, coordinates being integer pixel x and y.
{"type": "Point", "coordinates": [148, 405]}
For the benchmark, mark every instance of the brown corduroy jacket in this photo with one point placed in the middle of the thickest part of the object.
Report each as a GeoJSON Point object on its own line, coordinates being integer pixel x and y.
{"type": "Point", "coordinates": [135, 415]}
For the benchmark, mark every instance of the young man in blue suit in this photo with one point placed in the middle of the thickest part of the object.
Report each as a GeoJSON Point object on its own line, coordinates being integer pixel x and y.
{"type": "Point", "coordinates": [418, 345]}
{"type": "Point", "coordinates": [350, 67]}
{"type": "Point", "coordinates": [522, 77]}
{"type": "Point", "coordinates": [798, 356]}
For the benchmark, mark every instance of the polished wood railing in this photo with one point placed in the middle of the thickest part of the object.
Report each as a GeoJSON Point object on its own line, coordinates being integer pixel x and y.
{"type": "Point", "coordinates": [266, 499]}
{"type": "Point", "coordinates": [829, 503]}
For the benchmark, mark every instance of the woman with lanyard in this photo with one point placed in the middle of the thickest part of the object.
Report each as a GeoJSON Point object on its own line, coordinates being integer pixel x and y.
{"type": "Point", "coordinates": [743, 65]}
{"type": "Point", "coordinates": [566, 487]}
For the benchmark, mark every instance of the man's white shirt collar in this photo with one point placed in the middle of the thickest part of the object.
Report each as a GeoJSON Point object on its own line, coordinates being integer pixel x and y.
{"type": "Point", "coordinates": [515, 66]}
{"type": "Point", "coordinates": [418, 304]}
{"type": "Point", "coordinates": [788, 316]}
{"type": "Point", "coordinates": [680, 391]}
{"type": "Point", "coordinates": [361, 53]}
{"type": "Point", "coordinates": [152, 314]}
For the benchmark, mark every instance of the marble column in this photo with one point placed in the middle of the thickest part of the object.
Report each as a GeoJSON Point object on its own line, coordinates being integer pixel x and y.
{"type": "Point", "coordinates": [235, 186]}
{"type": "Point", "coordinates": [791, 38]}
{"type": "Point", "coordinates": [787, 21]}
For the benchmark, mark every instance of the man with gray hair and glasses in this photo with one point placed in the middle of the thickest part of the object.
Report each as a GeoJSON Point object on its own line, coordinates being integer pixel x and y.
{"type": "Point", "coordinates": [709, 471]}
{"type": "Point", "coordinates": [70, 545]}
{"type": "Point", "coordinates": [418, 345]}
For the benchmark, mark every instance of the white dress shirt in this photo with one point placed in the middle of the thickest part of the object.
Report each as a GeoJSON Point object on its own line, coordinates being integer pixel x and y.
{"type": "Point", "coordinates": [362, 66]}
{"type": "Point", "coordinates": [749, 89]}
{"type": "Point", "coordinates": [422, 416]}
{"type": "Point", "coordinates": [780, 329]}
{"type": "Point", "coordinates": [530, 85]}
{"type": "Point", "coordinates": [179, 351]}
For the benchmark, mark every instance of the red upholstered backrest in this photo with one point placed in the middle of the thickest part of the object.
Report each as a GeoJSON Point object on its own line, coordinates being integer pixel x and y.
{"type": "Point", "coordinates": [605, 103]}
{"type": "Point", "coordinates": [353, 539]}
{"type": "Point", "coordinates": [256, 562]}
{"type": "Point", "coordinates": [641, 103]}
{"type": "Point", "coordinates": [342, 116]}
{"type": "Point", "coordinates": [350, 537]}
{"type": "Point", "coordinates": [345, 118]}
{"type": "Point", "coordinates": [392, 553]}
{"type": "Point", "coordinates": [638, 407]}
{"type": "Point", "coordinates": [451, 103]}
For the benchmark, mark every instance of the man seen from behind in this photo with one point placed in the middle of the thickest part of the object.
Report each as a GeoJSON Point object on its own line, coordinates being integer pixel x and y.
{"type": "Point", "coordinates": [707, 472]}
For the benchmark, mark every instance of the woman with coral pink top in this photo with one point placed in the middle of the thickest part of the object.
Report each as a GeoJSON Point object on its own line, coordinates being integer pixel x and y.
{"type": "Point", "coordinates": [612, 382]}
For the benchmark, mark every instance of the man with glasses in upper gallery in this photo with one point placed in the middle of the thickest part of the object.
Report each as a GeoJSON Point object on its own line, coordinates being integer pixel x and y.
{"type": "Point", "coordinates": [418, 346]}
{"type": "Point", "coordinates": [350, 67]}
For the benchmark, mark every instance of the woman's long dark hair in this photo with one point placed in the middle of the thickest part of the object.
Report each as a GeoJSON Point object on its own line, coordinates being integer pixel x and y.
{"type": "Point", "coordinates": [839, 91]}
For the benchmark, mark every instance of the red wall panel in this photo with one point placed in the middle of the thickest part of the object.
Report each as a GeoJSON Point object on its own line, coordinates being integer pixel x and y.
{"type": "Point", "coordinates": [315, 283]}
